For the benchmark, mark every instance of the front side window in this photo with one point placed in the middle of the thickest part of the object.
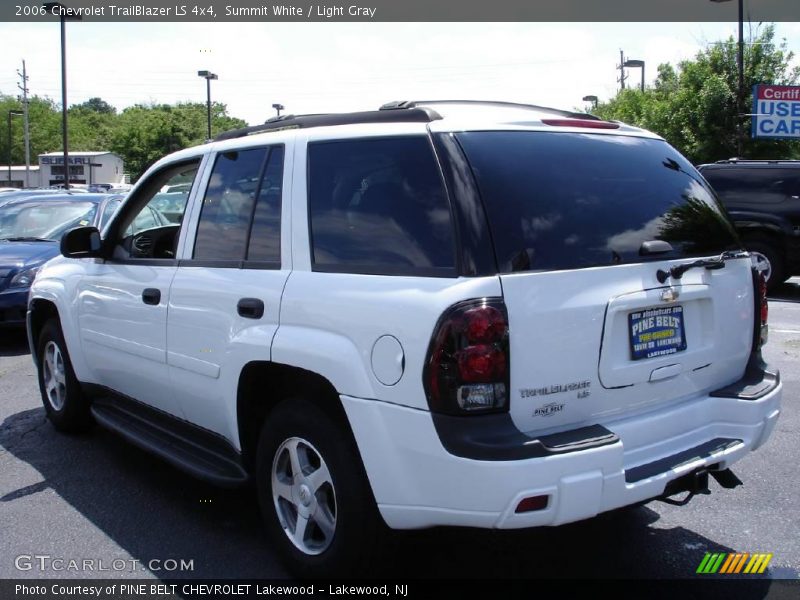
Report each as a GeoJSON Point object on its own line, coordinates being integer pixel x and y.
{"type": "Point", "coordinates": [243, 183]}
{"type": "Point", "coordinates": [143, 231]}
{"type": "Point", "coordinates": [379, 206]}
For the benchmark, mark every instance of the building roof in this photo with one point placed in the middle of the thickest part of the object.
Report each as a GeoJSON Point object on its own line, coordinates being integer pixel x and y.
{"type": "Point", "coordinates": [79, 153]}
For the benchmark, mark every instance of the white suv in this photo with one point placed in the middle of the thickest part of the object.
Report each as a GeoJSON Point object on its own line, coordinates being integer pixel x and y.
{"type": "Point", "coordinates": [437, 313]}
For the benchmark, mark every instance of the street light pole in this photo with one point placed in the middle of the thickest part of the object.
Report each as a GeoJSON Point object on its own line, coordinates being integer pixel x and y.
{"type": "Point", "coordinates": [740, 83]}
{"type": "Point", "coordinates": [591, 98]}
{"type": "Point", "coordinates": [278, 108]}
{"type": "Point", "coordinates": [11, 113]}
{"type": "Point", "coordinates": [64, 133]}
{"type": "Point", "coordinates": [208, 76]}
{"type": "Point", "coordinates": [63, 13]}
{"type": "Point", "coordinates": [740, 91]}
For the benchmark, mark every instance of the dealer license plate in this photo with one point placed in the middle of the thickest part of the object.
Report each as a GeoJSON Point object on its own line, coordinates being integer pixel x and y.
{"type": "Point", "coordinates": [656, 332]}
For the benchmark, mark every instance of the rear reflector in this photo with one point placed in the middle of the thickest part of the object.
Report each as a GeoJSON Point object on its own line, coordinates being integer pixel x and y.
{"type": "Point", "coordinates": [531, 504]}
{"type": "Point", "coordinates": [581, 123]}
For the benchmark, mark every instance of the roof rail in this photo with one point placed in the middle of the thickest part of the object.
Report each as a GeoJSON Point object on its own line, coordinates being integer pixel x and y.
{"type": "Point", "coordinates": [415, 115]}
{"type": "Point", "coordinates": [770, 161]}
{"type": "Point", "coordinates": [412, 104]}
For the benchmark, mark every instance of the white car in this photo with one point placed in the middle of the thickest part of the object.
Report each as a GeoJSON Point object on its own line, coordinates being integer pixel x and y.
{"type": "Point", "coordinates": [438, 313]}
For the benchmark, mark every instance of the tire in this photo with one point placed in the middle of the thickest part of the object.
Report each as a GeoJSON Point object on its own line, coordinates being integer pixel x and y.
{"type": "Point", "coordinates": [767, 257]}
{"type": "Point", "coordinates": [65, 405]}
{"type": "Point", "coordinates": [331, 499]}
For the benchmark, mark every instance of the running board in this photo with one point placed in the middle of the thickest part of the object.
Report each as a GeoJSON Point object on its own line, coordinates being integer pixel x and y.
{"type": "Point", "coordinates": [198, 452]}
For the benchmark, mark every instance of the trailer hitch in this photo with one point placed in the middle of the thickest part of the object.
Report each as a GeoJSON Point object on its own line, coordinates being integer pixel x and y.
{"type": "Point", "coordinates": [696, 482]}
{"type": "Point", "coordinates": [726, 479]}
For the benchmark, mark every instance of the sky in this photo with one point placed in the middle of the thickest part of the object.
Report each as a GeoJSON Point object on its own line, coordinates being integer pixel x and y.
{"type": "Point", "coordinates": [338, 67]}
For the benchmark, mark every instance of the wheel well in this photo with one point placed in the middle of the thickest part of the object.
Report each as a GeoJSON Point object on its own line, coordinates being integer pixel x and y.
{"type": "Point", "coordinates": [764, 236]}
{"type": "Point", "coordinates": [41, 312]}
{"type": "Point", "coordinates": [262, 385]}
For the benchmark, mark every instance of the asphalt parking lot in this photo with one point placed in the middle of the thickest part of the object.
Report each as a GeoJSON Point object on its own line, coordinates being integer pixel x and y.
{"type": "Point", "coordinates": [96, 497]}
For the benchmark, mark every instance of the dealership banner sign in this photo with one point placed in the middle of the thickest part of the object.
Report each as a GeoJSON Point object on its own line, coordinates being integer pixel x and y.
{"type": "Point", "coordinates": [776, 111]}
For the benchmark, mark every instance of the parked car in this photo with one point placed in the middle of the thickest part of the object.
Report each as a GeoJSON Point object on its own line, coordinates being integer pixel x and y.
{"type": "Point", "coordinates": [763, 200]}
{"type": "Point", "coordinates": [437, 313]}
{"type": "Point", "coordinates": [30, 230]}
{"type": "Point", "coordinates": [6, 197]}
{"type": "Point", "coordinates": [102, 188]}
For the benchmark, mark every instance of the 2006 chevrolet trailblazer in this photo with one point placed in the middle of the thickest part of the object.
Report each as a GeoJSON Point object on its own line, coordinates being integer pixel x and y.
{"type": "Point", "coordinates": [437, 313]}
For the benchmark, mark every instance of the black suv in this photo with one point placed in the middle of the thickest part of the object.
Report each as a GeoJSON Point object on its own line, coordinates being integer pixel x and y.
{"type": "Point", "coordinates": [763, 200]}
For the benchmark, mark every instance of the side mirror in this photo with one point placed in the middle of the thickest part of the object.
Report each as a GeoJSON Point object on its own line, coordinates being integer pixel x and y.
{"type": "Point", "coordinates": [81, 242]}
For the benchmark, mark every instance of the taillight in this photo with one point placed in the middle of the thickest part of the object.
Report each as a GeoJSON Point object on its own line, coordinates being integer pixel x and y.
{"type": "Point", "coordinates": [764, 307]}
{"type": "Point", "coordinates": [467, 367]}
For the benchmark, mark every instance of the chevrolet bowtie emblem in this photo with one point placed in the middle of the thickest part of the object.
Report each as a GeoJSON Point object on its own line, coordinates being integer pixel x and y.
{"type": "Point", "coordinates": [670, 295]}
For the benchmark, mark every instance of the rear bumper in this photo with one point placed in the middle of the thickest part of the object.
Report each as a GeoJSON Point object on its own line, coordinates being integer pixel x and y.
{"type": "Point", "coordinates": [417, 483]}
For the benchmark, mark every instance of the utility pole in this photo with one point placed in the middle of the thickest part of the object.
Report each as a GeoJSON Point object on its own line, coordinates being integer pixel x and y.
{"type": "Point", "coordinates": [621, 67]}
{"type": "Point", "coordinates": [27, 135]}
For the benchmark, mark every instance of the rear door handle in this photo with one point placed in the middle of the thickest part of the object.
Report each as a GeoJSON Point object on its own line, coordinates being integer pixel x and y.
{"type": "Point", "coordinates": [151, 296]}
{"type": "Point", "coordinates": [250, 308]}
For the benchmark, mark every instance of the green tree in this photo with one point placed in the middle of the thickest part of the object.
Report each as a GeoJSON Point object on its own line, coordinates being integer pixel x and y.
{"type": "Point", "coordinates": [45, 128]}
{"type": "Point", "coordinates": [140, 134]}
{"type": "Point", "coordinates": [694, 105]}
{"type": "Point", "coordinates": [91, 124]}
{"type": "Point", "coordinates": [144, 133]}
{"type": "Point", "coordinates": [97, 105]}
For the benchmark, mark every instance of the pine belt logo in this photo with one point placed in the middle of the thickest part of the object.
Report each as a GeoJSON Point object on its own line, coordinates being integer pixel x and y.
{"type": "Point", "coordinates": [724, 563]}
{"type": "Point", "coordinates": [548, 410]}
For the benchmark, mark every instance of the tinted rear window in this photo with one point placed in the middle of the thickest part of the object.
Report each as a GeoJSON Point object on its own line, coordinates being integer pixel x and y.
{"type": "Point", "coordinates": [567, 201]}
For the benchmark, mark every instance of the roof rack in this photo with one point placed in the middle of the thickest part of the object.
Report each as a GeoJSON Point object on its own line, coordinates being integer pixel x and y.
{"type": "Point", "coordinates": [414, 115]}
{"type": "Point", "coordinates": [400, 111]}
{"type": "Point", "coordinates": [768, 161]}
{"type": "Point", "coordinates": [413, 104]}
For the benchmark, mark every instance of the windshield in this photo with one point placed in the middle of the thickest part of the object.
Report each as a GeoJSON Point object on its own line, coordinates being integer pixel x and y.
{"type": "Point", "coordinates": [568, 200]}
{"type": "Point", "coordinates": [44, 220]}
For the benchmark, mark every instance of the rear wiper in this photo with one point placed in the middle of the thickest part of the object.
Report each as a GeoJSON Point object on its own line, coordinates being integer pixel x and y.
{"type": "Point", "coordinates": [718, 262]}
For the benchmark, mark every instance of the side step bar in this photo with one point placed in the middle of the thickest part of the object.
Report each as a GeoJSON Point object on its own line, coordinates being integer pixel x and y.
{"type": "Point", "coordinates": [196, 451]}
{"type": "Point", "coordinates": [668, 463]}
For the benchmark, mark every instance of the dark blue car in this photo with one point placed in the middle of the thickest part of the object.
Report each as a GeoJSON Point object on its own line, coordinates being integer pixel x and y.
{"type": "Point", "coordinates": [30, 230]}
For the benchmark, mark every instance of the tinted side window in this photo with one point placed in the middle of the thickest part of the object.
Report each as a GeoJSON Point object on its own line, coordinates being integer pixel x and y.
{"type": "Point", "coordinates": [265, 235]}
{"type": "Point", "coordinates": [379, 206]}
{"type": "Point", "coordinates": [228, 205]}
{"type": "Point", "coordinates": [741, 185]}
{"type": "Point", "coordinates": [567, 201]}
